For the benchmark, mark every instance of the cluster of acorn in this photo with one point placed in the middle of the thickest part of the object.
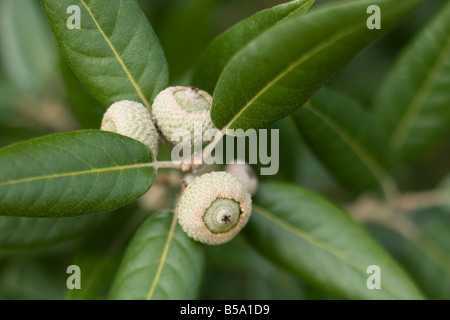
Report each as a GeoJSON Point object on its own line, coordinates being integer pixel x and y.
{"type": "Point", "coordinates": [214, 206]}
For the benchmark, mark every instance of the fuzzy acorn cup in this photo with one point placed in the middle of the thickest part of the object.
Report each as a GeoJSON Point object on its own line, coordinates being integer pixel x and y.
{"type": "Point", "coordinates": [214, 208]}
{"type": "Point", "coordinates": [177, 109]}
{"type": "Point", "coordinates": [132, 119]}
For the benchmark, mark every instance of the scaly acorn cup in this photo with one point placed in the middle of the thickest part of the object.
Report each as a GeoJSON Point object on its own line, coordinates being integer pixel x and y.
{"type": "Point", "coordinates": [179, 108]}
{"type": "Point", "coordinates": [132, 119]}
{"type": "Point", "coordinates": [214, 208]}
{"type": "Point", "coordinates": [244, 173]}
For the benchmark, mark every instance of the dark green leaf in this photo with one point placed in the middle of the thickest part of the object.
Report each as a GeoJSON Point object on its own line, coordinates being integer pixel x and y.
{"type": "Point", "coordinates": [227, 45]}
{"type": "Point", "coordinates": [116, 53]}
{"type": "Point", "coordinates": [11, 133]}
{"type": "Point", "coordinates": [185, 31]}
{"type": "Point", "coordinates": [97, 272]}
{"type": "Point", "coordinates": [24, 233]}
{"type": "Point", "coordinates": [346, 138]}
{"type": "Point", "coordinates": [73, 173]}
{"type": "Point", "coordinates": [322, 244]}
{"type": "Point", "coordinates": [242, 273]}
{"type": "Point", "coordinates": [413, 103]}
{"type": "Point", "coordinates": [88, 111]}
{"type": "Point", "coordinates": [427, 255]}
{"type": "Point", "coordinates": [161, 262]}
{"type": "Point", "coordinates": [100, 254]}
{"type": "Point", "coordinates": [276, 73]}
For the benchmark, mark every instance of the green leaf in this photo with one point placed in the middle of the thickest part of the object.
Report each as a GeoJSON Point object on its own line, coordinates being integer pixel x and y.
{"type": "Point", "coordinates": [185, 31]}
{"type": "Point", "coordinates": [242, 273]}
{"type": "Point", "coordinates": [276, 73]}
{"type": "Point", "coordinates": [27, 49]}
{"type": "Point", "coordinates": [232, 41]}
{"type": "Point", "coordinates": [413, 103]}
{"type": "Point", "coordinates": [73, 173]}
{"type": "Point", "coordinates": [346, 138]}
{"type": "Point", "coordinates": [98, 269]}
{"type": "Point", "coordinates": [99, 261]}
{"type": "Point", "coordinates": [25, 233]}
{"type": "Point", "coordinates": [116, 53]}
{"type": "Point", "coordinates": [161, 262]}
{"type": "Point", "coordinates": [100, 254]}
{"type": "Point", "coordinates": [322, 244]}
{"type": "Point", "coordinates": [88, 111]}
{"type": "Point", "coordinates": [427, 255]}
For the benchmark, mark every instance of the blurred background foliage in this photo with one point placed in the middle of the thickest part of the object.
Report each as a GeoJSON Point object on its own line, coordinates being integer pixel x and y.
{"type": "Point", "coordinates": [40, 95]}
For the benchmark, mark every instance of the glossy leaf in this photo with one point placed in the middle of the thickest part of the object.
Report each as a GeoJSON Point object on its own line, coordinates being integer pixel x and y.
{"type": "Point", "coordinates": [115, 53]}
{"type": "Point", "coordinates": [74, 173]}
{"type": "Point", "coordinates": [232, 41]}
{"type": "Point", "coordinates": [427, 255]}
{"type": "Point", "coordinates": [27, 49]}
{"type": "Point", "coordinates": [346, 138]}
{"type": "Point", "coordinates": [161, 262]}
{"type": "Point", "coordinates": [276, 74]}
{"type": "Point", "coordinates": [413, 103]}
{"type": "Point", "coordinates": [322, 244]}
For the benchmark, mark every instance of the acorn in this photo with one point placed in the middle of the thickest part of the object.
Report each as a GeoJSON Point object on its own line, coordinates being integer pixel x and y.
{"type": "Point", "coordinates": [132, 119]}
{"type": "Point", "coordinates": [179, 108]}
{"type": "Point", "coordinates": [214, 208]}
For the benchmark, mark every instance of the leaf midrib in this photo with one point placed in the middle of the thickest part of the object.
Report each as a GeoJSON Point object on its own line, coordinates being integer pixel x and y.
{"type": "Point", "coordinates": [74, 173]}
{"type": "Point", "coordinates": [369, 161]}
{"type": "Point", "coordinates": [321, 245]}
{"type": "Point", "coordinates": [304, 57]}
{"type": "Point", "coordinates": [264, 30]}
{"type": "Point", "coordinates": [163, 257]}
{"type": "Point", "coordinates": [119, 59]}
{"type": "Point", "coordinates": [416, 104]}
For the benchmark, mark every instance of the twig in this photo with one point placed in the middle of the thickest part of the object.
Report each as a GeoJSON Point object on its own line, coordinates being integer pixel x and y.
{"type": "Point", "coordinates": [420, 200]}
{"type": "Point", "coordinates": [162, 164]}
